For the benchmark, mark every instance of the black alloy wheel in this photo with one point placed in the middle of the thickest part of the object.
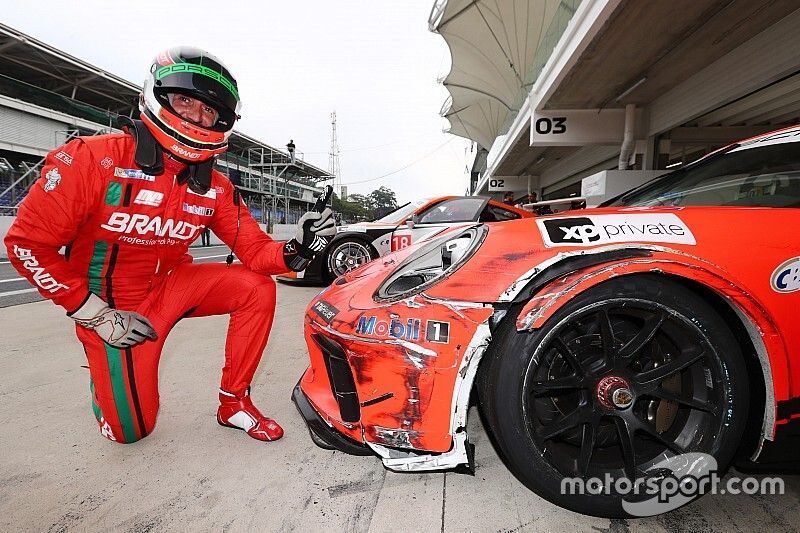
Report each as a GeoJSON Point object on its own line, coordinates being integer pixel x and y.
{"type": "Point", "coordinates": [628, 374]}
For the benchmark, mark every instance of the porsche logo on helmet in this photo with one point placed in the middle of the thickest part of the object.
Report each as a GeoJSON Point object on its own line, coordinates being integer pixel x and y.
{"type": "Point", "coordinates": [163, 59]}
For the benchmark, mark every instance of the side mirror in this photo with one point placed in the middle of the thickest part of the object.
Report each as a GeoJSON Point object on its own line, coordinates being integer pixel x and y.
{"type": "Point", "coordinates": [410, 222]}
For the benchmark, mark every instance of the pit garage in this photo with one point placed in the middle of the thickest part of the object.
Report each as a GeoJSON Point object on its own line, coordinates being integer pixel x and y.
{"type": "Point", "coordinates": [581, 98]}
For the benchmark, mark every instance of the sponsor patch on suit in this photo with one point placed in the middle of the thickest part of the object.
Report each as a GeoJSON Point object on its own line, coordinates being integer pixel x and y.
{"type": "Point", "coordinates": [133, 173]}
{"type": "Point", "coordinates": [147, 197]}
{"type": "Point", "coordinates": [198, 210]}
{"type": "Point", "coordinates": [53, 178]}
{"type": "Point", "coordinates": [64, 157]}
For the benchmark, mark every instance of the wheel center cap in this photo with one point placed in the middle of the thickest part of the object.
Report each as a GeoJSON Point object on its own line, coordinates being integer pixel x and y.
{"type": "Point", "coordinates": [622, 398]}
{"type": "Point", "coordinates": [613, 392]}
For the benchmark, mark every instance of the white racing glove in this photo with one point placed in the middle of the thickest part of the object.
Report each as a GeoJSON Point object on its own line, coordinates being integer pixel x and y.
{"type": "Point", "coordinates": [314, 231]}
{"type": "Point", "coordinates": [118, 328]}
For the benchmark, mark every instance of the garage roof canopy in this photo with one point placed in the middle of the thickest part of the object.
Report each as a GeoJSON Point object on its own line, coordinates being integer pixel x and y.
{"type": "Point", "coordinates": [498, 48]}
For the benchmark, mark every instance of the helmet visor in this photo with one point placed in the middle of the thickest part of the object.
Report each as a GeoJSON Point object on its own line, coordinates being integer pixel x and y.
{"type": "Point", "coordinates": [193, 110]}
{"type": "Point", "coordinates": [204, 84]}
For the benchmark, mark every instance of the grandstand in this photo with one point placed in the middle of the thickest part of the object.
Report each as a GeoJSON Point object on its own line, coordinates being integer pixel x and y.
{"type": "Point", "coordinates": [48, 96]}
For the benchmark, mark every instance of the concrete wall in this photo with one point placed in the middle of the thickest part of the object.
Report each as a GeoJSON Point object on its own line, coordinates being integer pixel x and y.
{"type": "Point", "coordinates": [24, 130]}
{"type": "Point", "coordinates": [5, 223]}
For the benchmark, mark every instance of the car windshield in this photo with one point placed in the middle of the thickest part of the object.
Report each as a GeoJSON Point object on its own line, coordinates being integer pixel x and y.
{"type": "Point", "coordinates": [464, 209]}
{"type": "Point", "coordinates": [402, 213]}
{"type": "Point", "coordinates": [752, 176]}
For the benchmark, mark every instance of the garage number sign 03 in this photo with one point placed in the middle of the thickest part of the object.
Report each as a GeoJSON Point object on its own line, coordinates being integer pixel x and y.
{"type": "Point", "coordinates": [577, 127]}
{"type": "Point", "coordinates": [546, 125]}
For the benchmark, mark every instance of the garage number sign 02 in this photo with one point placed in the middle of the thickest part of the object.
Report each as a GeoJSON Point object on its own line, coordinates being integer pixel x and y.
{"type": "Point", "coordinates": [508, 183]}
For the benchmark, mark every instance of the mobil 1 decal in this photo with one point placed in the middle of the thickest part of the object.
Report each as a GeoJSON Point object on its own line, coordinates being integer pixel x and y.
{"type": "Point", "coordinates": [436, 331]}
{"type": "Point", "coordinates": [605, 229]}
{"type": "Point", "coordinates": [408, 329]}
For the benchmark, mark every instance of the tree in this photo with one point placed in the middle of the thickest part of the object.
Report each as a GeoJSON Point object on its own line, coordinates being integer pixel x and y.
{"type": "Point", "coordinates": [359, 207]}
{"type": "Point", "coordinates": [362, 202]}
{"type": "Point", "coordinates": [354, 208]}
{"type": "Point", "coordinates": [382, 201]}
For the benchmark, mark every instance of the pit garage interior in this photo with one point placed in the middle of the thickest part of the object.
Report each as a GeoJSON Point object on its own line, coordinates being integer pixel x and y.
{"type": "Point", "coordinates": [590, 98]}
{"type": "Point", "coordinates": [48, 96]}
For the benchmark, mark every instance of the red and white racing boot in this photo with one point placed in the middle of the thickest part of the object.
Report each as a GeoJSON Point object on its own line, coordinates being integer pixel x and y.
{"type": "Point", "coordinates": [240, 413]}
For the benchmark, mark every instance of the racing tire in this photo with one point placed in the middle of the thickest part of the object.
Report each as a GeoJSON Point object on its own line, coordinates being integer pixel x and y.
{"type": "Point", "coordinates": [629, 374]}
{"type": "Point", "coordinates": [345, 255]}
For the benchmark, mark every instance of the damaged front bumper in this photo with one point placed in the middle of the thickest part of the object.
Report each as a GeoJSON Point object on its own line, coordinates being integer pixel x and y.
{"type": "Point", "coordinates": [392, 379]}
{"type": "Point", "coordinates": [460, 459]}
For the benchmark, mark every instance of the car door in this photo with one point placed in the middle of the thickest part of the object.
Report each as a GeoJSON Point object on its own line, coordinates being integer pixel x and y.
{"type": "Point", "coordinates": [436, 218]}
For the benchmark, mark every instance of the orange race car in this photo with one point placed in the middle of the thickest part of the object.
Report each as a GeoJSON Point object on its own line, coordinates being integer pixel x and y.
{"type": "Point", "coordinates": [600, 342]}
{"type": "Point", "coordinates": [359, 243]}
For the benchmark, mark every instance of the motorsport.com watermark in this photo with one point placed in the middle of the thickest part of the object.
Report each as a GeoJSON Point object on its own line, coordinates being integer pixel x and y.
{"type": "Point", "coordinates": [671, 483]}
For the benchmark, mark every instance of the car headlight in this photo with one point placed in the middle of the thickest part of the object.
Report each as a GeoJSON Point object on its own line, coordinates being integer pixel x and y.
{"type": "Point", "coordinates": [433, 262]}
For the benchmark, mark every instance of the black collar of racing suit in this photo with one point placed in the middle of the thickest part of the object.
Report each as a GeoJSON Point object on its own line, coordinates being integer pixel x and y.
{"type": "Point", "coordinates": [198, 175]}
{"type": "Point", "coordinates": [150, 157]}
{"type": "Point", "coordinates": [149, 154]}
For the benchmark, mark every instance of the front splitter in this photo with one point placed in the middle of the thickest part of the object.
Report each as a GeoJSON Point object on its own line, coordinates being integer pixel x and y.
{"type": "Point", "coordinates": [323, 434]}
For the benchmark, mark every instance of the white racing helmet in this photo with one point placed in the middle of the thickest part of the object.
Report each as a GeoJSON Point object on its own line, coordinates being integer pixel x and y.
{"type": "Point", "coordinates": [197, 74]}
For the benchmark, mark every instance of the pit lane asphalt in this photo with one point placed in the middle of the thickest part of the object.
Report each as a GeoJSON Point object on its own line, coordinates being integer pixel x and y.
{"type": "Point", "coordinates": [58, 474]}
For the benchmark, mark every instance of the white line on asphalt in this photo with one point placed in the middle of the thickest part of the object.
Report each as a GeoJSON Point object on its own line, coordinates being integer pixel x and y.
{"type": "Point", "coordinates": [12, 279]}
{"type": "Point", "coordinates": [211, 256]}
{"type": "Point", "coordinates": [13, 293]}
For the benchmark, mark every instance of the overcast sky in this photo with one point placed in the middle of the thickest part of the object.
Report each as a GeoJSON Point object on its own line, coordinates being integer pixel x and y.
{"type": "Point", "coordinates": [374, 62]}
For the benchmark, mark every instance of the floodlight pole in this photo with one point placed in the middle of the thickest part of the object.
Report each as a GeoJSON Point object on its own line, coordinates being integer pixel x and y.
{"type": "Point", "coordinates": [333, 158]}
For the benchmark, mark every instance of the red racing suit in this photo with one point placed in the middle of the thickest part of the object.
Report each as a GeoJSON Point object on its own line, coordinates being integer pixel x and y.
{"type": "Point", "coordinates": [127, 235]}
